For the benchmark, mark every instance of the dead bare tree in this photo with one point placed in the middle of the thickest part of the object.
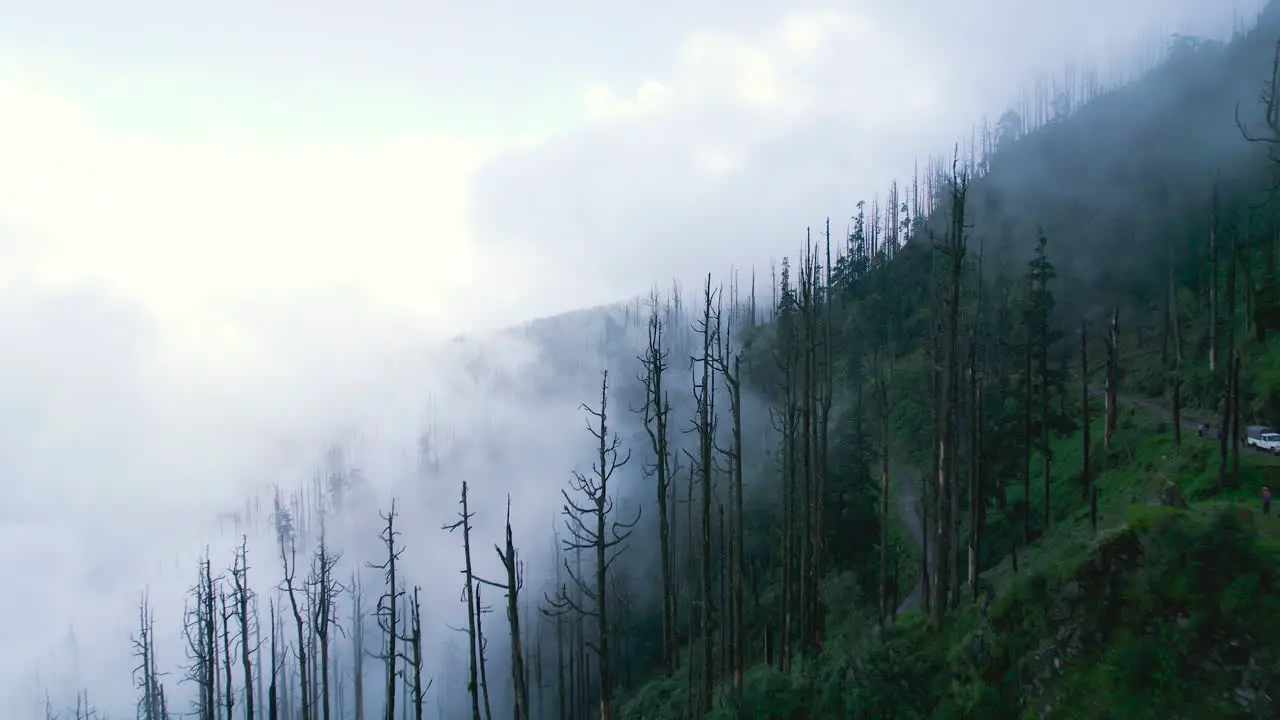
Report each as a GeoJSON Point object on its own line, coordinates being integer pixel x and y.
{"type": "Point", "coordinates": [387, 612]}
{"type": "Point", "coordinates": [259, 669]}
{"type": "Point", "coordinates": [273, 691]}
{"type": "Point", "coordinates": [324, 590]}
{"type": "Point", "coordinates": [1088, 489]}
{"type": "Point", "coordinates": [825, 392]}
{"type": "Point", "coordinates": [1112, 342]}
{"type": "Point", "coordinates": [1175, 327]}
{"type": "Point", "coordinates": [469, 594]}
{"type": "Point", "coordinates": [977, 497]}
{"type": "Point", "coordinates": [200, 630]}
{"type": "Point", "coordinates": [229, 697]}
{"type": "Point", "coordinates": [708, 328]}
{"type": "Point", "coordinates": [591, 524]}
{"type": "Point", "coordinates": [785, 420]}
{"type": "Point", "coordinates": [729, 365]}
{"type": "Point", "coordinates": [418, 690]}
{"type": "Point", "coordinates": [656, 411]}
{"type": "Point", "coordinates": [146, 678]}
{"type": "Point", "coordinates": [808, 451]}
{"type": "Point", "coordinates": [1269, 99]}
{"type": "Point", "coordinates": [84, 710]}
{"type": "Point", "coordinates": [288, 584]}
{"type": "Point", "coordinates": [357, 646]}
{"type": "Point", "coordinates": [514, 583]}
{"type": "Point", "coordinates": [954, 250]}
{"type": "Point", "coordinates": [883, 369]}
{"type": "Point", "coordinates": [482, 651]}
{"type": "Point", "coordinates": [241, 596]}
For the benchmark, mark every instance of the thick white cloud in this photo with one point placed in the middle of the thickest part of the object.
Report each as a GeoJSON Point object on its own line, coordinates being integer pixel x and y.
{"type": "Point", "coordinates": [185, 228]}
{"type": "Point", "coordinates": [747, 137]}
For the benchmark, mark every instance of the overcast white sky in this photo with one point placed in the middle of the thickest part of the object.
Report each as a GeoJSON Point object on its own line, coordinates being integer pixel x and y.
{"type": "Point", "coordinates": [212, 211]}
{"type": "Point", "coordinates": [482, 161]}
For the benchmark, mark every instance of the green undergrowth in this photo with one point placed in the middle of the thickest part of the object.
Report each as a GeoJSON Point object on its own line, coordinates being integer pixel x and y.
{"type": "Point", "coordinates": [1171, 613]}
{"type": "Point", "coordinates": [1160, 612]}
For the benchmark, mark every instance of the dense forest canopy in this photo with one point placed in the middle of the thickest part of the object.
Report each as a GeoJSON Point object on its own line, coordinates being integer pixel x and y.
{"type": "Point", "coordinates": [948, 448]}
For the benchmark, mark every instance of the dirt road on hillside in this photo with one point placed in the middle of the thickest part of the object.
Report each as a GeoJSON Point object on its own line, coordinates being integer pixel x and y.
{"type": "Point", "coordinates": [1150, 405]}
{"type": "Point", "coordinates": [909, 512]}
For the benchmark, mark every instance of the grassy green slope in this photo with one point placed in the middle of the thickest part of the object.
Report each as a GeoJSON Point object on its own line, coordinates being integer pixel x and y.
{"type": "Point", "coordinates": [1159, 612]}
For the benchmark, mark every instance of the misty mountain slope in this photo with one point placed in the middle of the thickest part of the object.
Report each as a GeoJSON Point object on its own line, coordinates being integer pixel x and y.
{"type": "Point", "coordinates": [1083, 626]}
{"type": "Point", "coordinates": [1124, 191]}
{"type": "Point", "coordinates": [502, 413]}
{"type": "Point", "coordinates": [1155, 144]}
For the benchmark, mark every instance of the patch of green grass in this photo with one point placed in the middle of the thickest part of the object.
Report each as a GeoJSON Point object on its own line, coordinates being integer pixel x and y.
{"type": "Point", "coordinates": [1093, 624]}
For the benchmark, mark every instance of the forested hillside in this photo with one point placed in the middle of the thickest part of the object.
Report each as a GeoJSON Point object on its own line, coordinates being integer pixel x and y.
{"type": "Point", "coordinates": [995, 356]}
{"type": "Point", "coordinates": [948, 463]}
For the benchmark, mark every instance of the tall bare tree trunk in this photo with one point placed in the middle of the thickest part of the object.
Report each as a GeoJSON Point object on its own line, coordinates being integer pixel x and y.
{"type": "Point", "coordinates": [1088, 490]}
{"type": "Point", "coordinates": [977, 501]}
{"type": "Point", "coordinates": [786, 419]}
{"type": "Point", "coordinates": [515, 582]}
{"type": "Point", "coordinates": [706, 439]}
{"type": "Point", "coordinates": [325, 591]}
{"type": "Point", "coordinates": [955, 251]}
{"type": "Point", "coordinates": [273, 693]}
{"type": "Point", "coordinates": [416, 659]}
{"type": "Point", "coordinates": [357, 647]}
{"type": "Point", "coordinates": [1229, 399]}
{"type": "Point", "coordinates": [469, 593]}
{"type": "Point", "coordinates": [593, 527]}
{"type": "Point", "coordinates": [1113, 379]}
{"type": "Point", "coordinates": [1177, 356]}
{"type": "Point", "coordinates": [1046, 450]}
{"type": "Point", "coordinates": [288, 558]}
{"type": "Point", "coordinates": [806, 453]}
{"type": "Point", "coordinates": [229, 697]}
{"type": "Point", "coordinates": [827, 388]}
{"type": "Point", "coordinates": [388, 609]}
{"type": "Point", "coordinates": [1213, 286]}
{"type": "Point", "coordinates": [656, 411]}
{"type": "Point", "coordinates": [1234, 358]}
{"type": "Point", "coordinates": [1235, 418]}
{"type": "Point", "coordinates": [731, 369]}
{"type": "Point", "coordinates": [210, 644]}
{"type": "Point", "coordinates": [482, 645]}
{"type": "Point", "coordinates": [241, 592]}
{"type": "Point", "coordinates": [884, 402]}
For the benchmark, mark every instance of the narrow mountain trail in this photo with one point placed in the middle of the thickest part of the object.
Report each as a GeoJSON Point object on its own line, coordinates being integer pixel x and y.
{"type": "Point", "coordinates": [908, 507]}
{"type": "Point", "coordinates": [1150, 405]}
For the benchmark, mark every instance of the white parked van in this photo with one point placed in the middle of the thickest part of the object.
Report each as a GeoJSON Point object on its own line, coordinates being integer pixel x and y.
{"type": "Point", "coordinates": [1263, 438]}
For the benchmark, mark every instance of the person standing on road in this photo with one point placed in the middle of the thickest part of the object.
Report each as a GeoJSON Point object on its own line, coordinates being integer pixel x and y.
{"type": "Point", "coordinates": [1266, 501]}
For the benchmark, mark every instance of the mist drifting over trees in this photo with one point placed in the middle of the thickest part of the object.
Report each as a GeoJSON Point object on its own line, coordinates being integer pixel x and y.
{"type": "Point", "coordinates": [662, 506]}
